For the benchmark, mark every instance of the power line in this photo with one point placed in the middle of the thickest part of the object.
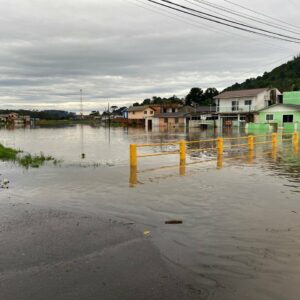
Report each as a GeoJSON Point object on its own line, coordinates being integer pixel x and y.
{"type": "Point", "coordinates": [230, 21]}
{"type": "Point", "coordinates": [242, 15]}
{"type": "Point", "coordinates": [225, 24]}
{"type": "Point", "coordinates": [259, 13]}
{"type": "Point", "coordinates": [176, 17]}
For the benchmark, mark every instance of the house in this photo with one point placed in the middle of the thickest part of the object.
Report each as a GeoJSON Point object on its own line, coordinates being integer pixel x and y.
{"type": "Point", "coordinates": [169, 116]}
{"type": "Point", "coordinates": [235, 108]}
{"type": "Point", "coordinates": [280, 116]}
{"type": "Point", "coordinates": [203, 117]}
{"type": "Point", "coordinates": [138, 114]}
{"type": "Point", "coordinates": [291, 98]}
{"type": "Point", "coordinates": [15, 119]}
{"type": "Point", "coordinates": [168, 120]}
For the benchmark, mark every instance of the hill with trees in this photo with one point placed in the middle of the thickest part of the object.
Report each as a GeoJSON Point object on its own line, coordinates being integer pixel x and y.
{"type": "Point", "coordinates": [285, 77]}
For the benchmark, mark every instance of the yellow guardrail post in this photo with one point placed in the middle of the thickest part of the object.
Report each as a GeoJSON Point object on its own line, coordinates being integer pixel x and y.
{"type": "Point", "coordinates": [220, 146]}
{"type": "Point", "coordinates": [182, 151]}
{"type": "Point", "coordinates": [133, 156]}
{"type": "Point", "coordinates": [296, 142]}
{"type": "Point", "coordinates": [274, 140]}
{"type": "Point", "coordinates": [250, 143]}
{"type": "Point", "coordinates": [296, 138]}
{"type": "Point", "coordinates": [220, 149]}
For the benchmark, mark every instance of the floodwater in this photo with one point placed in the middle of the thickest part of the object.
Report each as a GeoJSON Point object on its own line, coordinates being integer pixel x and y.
{"type": "Point", "coordinates": [240, 237]}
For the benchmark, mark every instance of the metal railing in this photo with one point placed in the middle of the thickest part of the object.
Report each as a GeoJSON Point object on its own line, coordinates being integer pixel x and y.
{"type": "Point", "coordinates": [218, 145]}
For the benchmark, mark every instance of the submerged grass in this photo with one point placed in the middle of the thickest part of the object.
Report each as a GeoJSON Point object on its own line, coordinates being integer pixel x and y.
{"type": "Point", "coordinates": [27, 160]}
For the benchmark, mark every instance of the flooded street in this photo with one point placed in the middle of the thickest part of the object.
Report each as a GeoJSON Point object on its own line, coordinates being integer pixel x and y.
{"type": "Point", "coordinates": [240, 236]}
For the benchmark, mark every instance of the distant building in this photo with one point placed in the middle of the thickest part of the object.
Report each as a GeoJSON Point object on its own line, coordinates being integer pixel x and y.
{"type": "Point", "coordinates": [15, 119]}
{"type": "Point", "coordinates": [138, 114]}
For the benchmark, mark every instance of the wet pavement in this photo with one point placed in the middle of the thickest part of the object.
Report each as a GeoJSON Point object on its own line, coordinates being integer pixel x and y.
{"type": "Point", "coordinates": [76, 230]}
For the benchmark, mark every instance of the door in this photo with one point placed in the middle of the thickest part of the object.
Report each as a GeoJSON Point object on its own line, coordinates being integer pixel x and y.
{"type": "Point", "coordinates": [149, 124]}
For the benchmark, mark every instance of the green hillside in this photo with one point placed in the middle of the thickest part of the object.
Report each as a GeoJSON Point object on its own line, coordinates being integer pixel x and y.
{"type": "Point", "coordinates": [285, 77]}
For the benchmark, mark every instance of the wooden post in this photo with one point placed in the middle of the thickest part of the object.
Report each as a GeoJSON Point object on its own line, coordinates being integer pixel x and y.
{"type": "Point", "coordinates": [133, 156]}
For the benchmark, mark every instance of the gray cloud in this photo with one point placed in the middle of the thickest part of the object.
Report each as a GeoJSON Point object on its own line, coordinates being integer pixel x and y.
{"type": "Point", "coordinates": [119, 52]}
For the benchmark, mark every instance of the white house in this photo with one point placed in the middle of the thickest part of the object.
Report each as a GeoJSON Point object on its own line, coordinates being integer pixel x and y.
{"type": "Point", "coordinates": [235, 108]}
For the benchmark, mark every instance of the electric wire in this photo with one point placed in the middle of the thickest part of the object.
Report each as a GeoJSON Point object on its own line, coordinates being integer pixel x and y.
{"type": "Point", "coordinates": [225, 24]}
{"type": "Point", "coordinates": [260, 13]}
{"type": "Point", "coordinates": [242, 15]}
{"type": "Point", "coordinates": [230, 21]}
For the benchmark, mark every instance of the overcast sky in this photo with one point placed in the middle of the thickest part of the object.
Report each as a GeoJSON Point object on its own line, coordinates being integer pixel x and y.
{"type": "Point", "coordinates": [123, 51]}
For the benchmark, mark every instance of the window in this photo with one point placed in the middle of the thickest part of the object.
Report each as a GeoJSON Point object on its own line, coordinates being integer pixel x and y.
{"type": "Point", "coordinates": [133, 112]}
{"type": "Point", "coordinates": [287, 118]}
{"type": "Point", "coordinates": [166, 120]}
{"type": "Point", "coordinates": [164, 110]}
{"type": "Point", "coordinates": [235, 105]}
{"type": "Point", "coordinates": [176, 120]}
{"type": "Point", "coordinates": [269, 117]}
{"type": "Point", "coordinates": [248, 102]}
{"type": "Point", "coordinates": [173, 110]}
{"type": "Point", "coordinates": [151, 112]}
{"type": "Point", "coordinates": [145, 112]}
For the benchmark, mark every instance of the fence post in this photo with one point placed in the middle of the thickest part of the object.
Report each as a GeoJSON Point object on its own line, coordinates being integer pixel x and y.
{"type": "Point", "coordinates": [133, 156]}
{"type": "Point", "coordinates": [220, 146]}
{"type": "Point", "coordinates": [296, 138]}
{"type": "Point", "coordinates": [250, 142]}
{"type": "Point", "coordinates": [274, 140]}
{"type": "Point", "coordinates": [182, 151]}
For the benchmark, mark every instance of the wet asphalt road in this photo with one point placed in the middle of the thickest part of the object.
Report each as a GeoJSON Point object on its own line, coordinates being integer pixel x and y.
{"type": "Point", "coordinates": [51, 254]}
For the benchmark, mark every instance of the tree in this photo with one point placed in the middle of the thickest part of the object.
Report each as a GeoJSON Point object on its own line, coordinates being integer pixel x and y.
{"type": "Point", "coordinates": [136, 104]}
{"type": "Point", "coordinates": [114, 107]}
{"type": "Point", "coordinates": [209, 95]}
{"type": "Point", "coordinates": [146, 102]}
{"type": "Point", "coordinates": [195, 95]}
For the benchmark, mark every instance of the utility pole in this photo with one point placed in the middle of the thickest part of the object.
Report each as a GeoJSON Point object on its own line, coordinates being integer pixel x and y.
{"type": "Point", "coordinates": [81, 105]}
{"type": "Point", "coordinates": [108, 109]}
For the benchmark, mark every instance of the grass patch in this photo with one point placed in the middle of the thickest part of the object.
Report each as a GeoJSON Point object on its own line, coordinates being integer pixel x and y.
{"type": "Point", "coordinates": [27, 160]}
{"type": "Point", "coordinates": [8, 153]}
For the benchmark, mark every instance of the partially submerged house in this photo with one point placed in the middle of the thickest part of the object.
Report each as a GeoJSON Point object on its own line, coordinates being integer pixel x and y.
{"type": "Point", "coordinates": [138, 114]}
{"type": "Point", "coordinates": [284, 115]}
{"type": "Point", "coordinates": [235, 108]}
{"type": "Point", "coordinates": [280, 116]}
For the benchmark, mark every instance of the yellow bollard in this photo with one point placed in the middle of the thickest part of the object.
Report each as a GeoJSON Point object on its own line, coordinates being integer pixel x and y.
{"type": "Point", "coordinates": [274, 141]}
{"type": "Point", "coordinates": [182, 168]}
{"type": "Point", "coordinates": [220, 161]}
{"type": "Point", "coordinates": [250, 142]}
{"type": "Point", "coordinates": [250, 156]}
{"type": "Point", "coordinates": [296, 138]}
{"type": "Point", "coordinates": [182, 151]}
{"type": "Point", "coordinates": [133, 177]}
{"type": "Point", "coordinates": [133, 155]}
{"type": "Point", "coordinates": [220, 146]}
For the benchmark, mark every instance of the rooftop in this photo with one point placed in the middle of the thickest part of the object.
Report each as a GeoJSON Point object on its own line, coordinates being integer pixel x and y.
{"type": "Point", "coordinates": [139, 108]}
{"type": "Point", "coordinates": [240, 94]}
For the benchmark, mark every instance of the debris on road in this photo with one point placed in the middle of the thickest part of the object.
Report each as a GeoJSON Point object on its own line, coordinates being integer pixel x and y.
{"type": "Point", "coordinates": [173, 222]}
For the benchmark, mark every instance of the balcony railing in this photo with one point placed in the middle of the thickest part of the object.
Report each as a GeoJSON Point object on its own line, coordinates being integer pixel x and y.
{"type": "Point", "coordinates": [235, 109]}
